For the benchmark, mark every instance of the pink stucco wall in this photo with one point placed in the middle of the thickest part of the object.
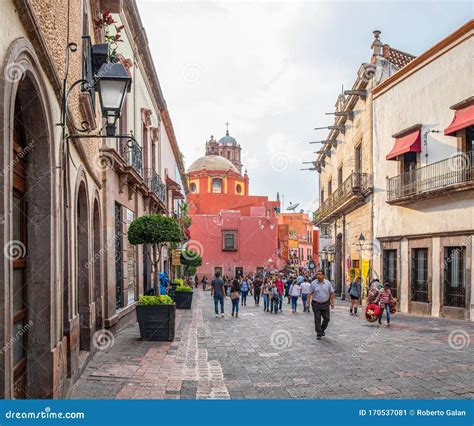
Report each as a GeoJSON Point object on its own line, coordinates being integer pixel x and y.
{"type": "Point", "coordinates": [257, 242]}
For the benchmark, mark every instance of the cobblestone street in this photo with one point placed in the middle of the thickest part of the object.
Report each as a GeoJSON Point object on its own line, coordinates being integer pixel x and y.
{"type": "Point", "coordinates": [262, 355]}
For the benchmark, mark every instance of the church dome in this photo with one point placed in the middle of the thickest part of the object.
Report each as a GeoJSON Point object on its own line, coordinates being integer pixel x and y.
{"type": "Point", "coordinates": [212, 162]}
{"type": "Point", "coordinates": [227, 140]}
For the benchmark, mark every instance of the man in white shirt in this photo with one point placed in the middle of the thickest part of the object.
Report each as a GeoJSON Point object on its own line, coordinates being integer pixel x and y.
{"type": "Point", "coordinates": [322, 296]}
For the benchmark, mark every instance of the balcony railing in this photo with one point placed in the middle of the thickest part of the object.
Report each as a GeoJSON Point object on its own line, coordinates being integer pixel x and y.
{"type": "Point", "coordinates": [155, 184]}
{"type": "Point", "coordinates": [131, 152]}
{"type": "Point", "coordinates": [355, 188]}
{"type": "Point", "coordinates": [452, 173]}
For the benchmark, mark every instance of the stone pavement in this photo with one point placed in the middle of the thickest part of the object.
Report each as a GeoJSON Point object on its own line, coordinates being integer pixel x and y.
{"type": "Point", "coordinates": [263, 355]}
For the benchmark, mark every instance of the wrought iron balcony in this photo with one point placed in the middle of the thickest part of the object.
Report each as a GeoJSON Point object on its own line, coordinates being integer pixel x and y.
{"type": "Point", "coordinates": [156, 185]}
{"type": "Point", "coordinates": [455, 173]}
{"type": "Point", "coordinates": [131, 152]}
{"type": "Point", "coordinates": [346, 198]}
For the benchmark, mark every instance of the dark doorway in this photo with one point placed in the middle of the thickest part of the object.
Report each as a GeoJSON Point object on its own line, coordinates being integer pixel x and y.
{"type": "Point", "coordinates": [97, 262]}
{"type": "Point", "coordinates": [83, 293]}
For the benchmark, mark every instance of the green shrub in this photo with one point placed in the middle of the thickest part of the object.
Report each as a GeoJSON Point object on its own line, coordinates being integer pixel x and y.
{"type": "Point", "coordinates": [179, 281]}
{"type": "Point", "coordinates": [155, 300]}
{"type": "Point", "coordinates": [183, 288]}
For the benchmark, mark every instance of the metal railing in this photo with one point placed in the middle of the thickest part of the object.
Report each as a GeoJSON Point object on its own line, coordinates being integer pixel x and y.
{"type": "Point", "coordinates": [131, 152]}
{"type": "Point", "coordinates": [458, 168]}
{"type": "Point", "coordinates": [154, 182]}
{"type": "Point", "coordinates": [356, 184]}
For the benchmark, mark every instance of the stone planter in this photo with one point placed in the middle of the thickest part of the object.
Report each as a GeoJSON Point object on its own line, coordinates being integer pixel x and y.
{"type": "Point", "coordinates": [156, 322]}
{"type": "Point", "coordinates": [184, 299]}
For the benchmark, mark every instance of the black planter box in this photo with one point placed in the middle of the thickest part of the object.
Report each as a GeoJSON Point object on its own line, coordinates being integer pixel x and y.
{"type": "Point", "coordinates": [156, 322]}
{"type": "Point", "coordinates": [184, 299]}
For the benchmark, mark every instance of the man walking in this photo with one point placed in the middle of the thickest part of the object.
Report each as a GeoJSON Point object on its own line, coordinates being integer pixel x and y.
{"type": "Point", "coordinates": [218, 292]}
{"type": "Point", "coordinates": [322, 296]}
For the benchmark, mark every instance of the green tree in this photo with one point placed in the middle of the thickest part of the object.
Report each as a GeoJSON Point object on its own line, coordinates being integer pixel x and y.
{"type": "Point", "coordinates": [191, 260]}
{"type": "Point", "coordinates": [157, 231]}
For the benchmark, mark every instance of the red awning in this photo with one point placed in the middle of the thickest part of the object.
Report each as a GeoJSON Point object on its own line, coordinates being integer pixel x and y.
{"type": "Point", "coordinates": [462, 118]}
{"type": "Point", "coordinates": [171, 184]}
{"type": "Point", "coordinates": [408, 143]}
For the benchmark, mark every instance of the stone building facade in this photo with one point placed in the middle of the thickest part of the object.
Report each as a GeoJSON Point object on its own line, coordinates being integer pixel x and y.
{"type": "Point", "coordinates": [424, 179]}
{"type": "Point", "coordinates": [345, 166]}
{"type": "Point", "coordinates": [66, 202]}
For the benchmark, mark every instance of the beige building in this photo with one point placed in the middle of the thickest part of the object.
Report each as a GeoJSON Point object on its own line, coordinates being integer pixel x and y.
{"type": "Point", "coordinates": [68, 272]}
{"type": "Point", "coordinates": [345, 166]}
{"type": "Point", "coordinates": [424, 179]}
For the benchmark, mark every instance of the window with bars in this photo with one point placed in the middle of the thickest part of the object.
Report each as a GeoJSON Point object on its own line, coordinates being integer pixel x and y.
{"type": "Point", "coordinates": [455, 277]}
{"type": "Point", "coordinates": [390, 269]}
{"type": "Point", "coordinates": [419, 275]}
{"type": "Point", "coordinates": [217, 186]}
{"type": "Point", "coordinates": [229, 240]}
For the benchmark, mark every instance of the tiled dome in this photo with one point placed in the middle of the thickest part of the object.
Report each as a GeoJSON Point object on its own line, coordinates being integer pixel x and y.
{"type": "Point", "coordinates": [212, 162]}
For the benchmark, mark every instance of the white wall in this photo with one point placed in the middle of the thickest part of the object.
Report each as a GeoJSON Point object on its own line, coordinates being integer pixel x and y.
{"type": "Point", "coordinates": [423, 98]}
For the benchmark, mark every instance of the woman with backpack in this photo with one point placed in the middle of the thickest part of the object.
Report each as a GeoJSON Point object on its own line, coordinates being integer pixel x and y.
{"type": "Point", "coordinates": [354, 291]}
{"type": "Point", "coordinates": [295, 291]}
{"type": "Point", "coordinates": [235, 297]}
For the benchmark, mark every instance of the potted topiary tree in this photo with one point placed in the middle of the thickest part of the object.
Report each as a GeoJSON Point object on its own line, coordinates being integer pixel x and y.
{"type": "Point", "coordinates": [155, 314]}
{"type": "Point", "coordinates": [156, 318]}
{"type": "Point", "coordinates": [190, 259]}
{"type": "Point", "coordinates": [157, 231]}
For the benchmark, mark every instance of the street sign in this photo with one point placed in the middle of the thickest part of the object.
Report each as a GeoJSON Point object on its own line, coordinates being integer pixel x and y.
{"type": "Point", "coordinates": [312, 265]}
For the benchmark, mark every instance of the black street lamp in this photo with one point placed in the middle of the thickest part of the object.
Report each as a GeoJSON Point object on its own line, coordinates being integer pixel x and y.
{"type": "Point", "coordinates": [112, 83]}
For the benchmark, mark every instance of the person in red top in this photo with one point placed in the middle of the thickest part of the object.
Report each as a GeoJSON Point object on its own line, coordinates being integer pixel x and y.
{"type": "Point", "coordinates": [280, 286]}
{"type": "Point", "coordinates": [384, 297]}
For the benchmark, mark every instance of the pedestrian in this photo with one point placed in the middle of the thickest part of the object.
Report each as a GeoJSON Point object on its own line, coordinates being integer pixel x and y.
{"type": "Point", "coordinates": [279, 284]}
{"type": "Point", "coordinates": [295, 291]}
{"type": "Point", "coordinates": [288, 283]}
{"type": "Point", "coordinates": [218, 292]}
{"type": "Point", "coordinates": [275, 298]}
{"type": "Point", "coordinates": [244, 290]}
{"type": "Point", "coordinates": [196, 281]}
{"type": "Point", "coordinates": [305, 291]}
{"type": "Point", "coordinates": [322, 296]}
{"type": "Point", "coordinates": [266, 293]}
{"type": "Point", "coordinates": [235, 297]}
{"type": "Point", "coordinates": [385, 298]}
{"type": "Point", "coordinates": [354, 291]}
{"type": "Point", "coordinates": [257, 289]}
{"type": "Point", "coordinates": [227, 285]}
{"type": "Point", "coordinates": [204, 283]}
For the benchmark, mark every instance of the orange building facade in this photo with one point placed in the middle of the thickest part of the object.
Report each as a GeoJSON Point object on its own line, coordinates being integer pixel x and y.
{"type": "Point", "coordinates": [296, 238]}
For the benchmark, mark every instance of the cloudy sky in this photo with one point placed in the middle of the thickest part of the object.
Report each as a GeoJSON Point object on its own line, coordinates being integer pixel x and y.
{"type": "Point", "coordinates": [272, 69]}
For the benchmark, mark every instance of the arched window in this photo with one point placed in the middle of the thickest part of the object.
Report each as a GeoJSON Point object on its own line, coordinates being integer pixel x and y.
{"type": "Point", "coordinates": [193, 187]}
{"type": "Point", "coordinates": [217, 186]}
